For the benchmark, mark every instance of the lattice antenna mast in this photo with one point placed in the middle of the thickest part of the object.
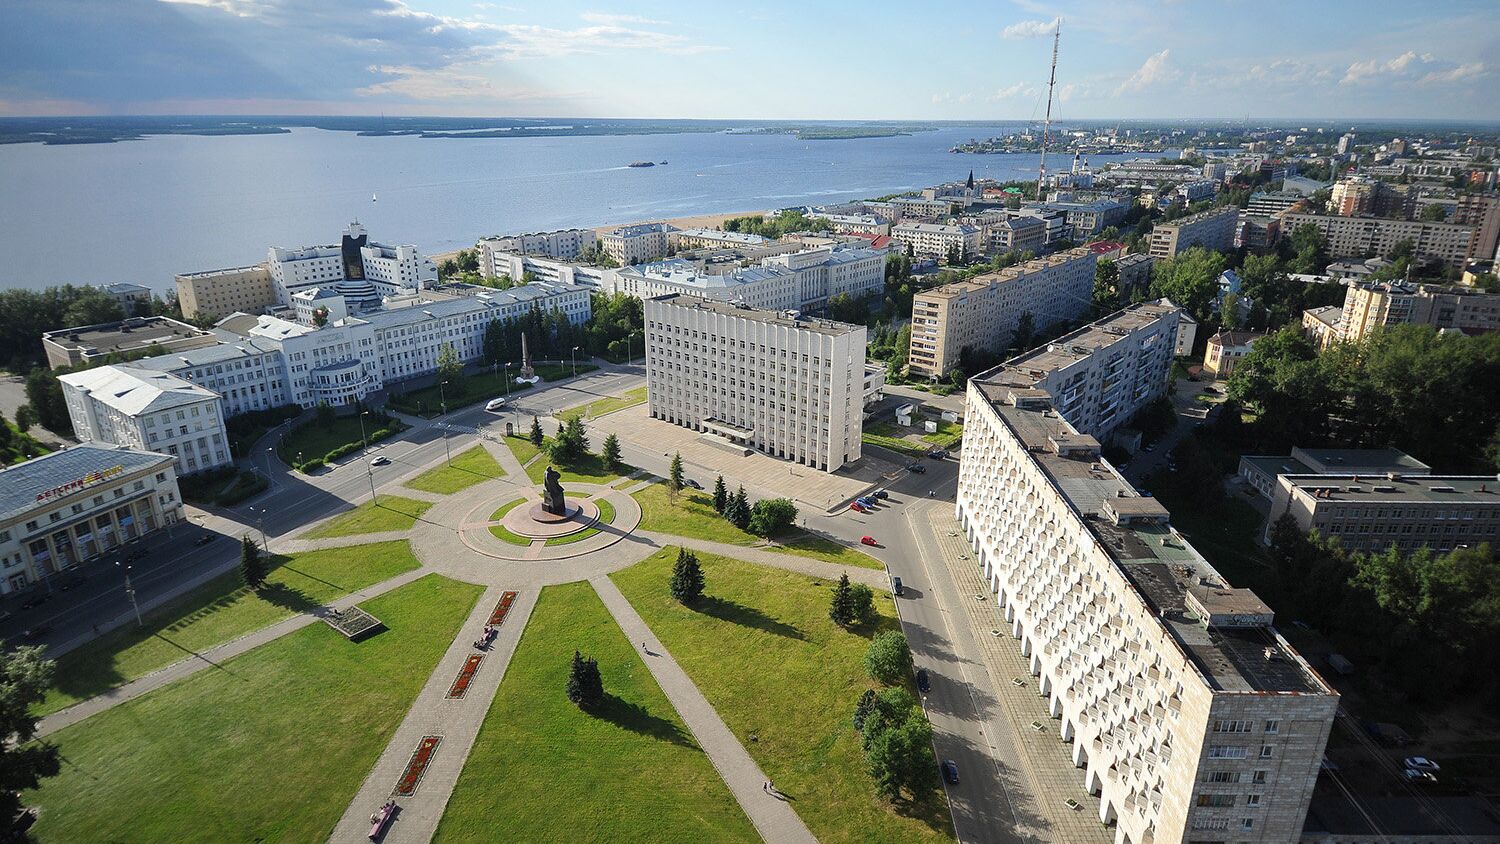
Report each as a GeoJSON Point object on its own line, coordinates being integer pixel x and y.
{"type": "Point", "coordinates": [1041, 179]}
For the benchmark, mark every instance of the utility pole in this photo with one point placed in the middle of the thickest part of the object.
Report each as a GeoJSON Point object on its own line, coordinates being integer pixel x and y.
{"type": "Point", "coordinates": [130, 593]}
{"type": "Point", "coordinates": [443, 399]}
{"type": "Point", "coordinates": [1041, 179]}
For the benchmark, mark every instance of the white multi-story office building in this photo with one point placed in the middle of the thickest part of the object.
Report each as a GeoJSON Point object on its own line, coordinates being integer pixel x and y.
{"type": "Point", "coordinates": [931, 240]}
{"type": "Point", "coordinates": [786, 385]}
{"type": "Point", "coordinates": [148, 410]}
{"type": "Point", "coordinates": [1102, 374]}
{"type": "Point", "coordinates": [638, 243]}
{"type": "Point", "coordinates": [563, 244]}
{"type": "Point", "coordinates": [247, 373]}
{"type": "Point", "coordinates": [1189, 715]}
{"type": "Point", "coordinates": [798, 280]}
{"type": "Point", "coordinates": [363, 270]}
{"type": "Point", "coordinates": [71, 506]}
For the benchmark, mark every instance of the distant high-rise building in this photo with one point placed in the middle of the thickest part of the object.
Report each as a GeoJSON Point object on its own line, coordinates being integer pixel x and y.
{"type": "Point", "coordinates": [1346, 143]}
{"type": "Point", "coordinates": [1211, 229]}
{"type": "Point", "coordinates": [1480, 211]}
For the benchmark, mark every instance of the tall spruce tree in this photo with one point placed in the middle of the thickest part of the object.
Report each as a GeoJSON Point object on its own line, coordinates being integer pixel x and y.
{"type": "Point", "coordinates": [252, 567]}
{"type": "Point", "coordinates": [687, 577]}
{"type": "Point", "coordinates": [721, 495]}
{"type": "Point", "coordinates": [841, 608]}
{"type": "Point", "coordinates": [536, 432]}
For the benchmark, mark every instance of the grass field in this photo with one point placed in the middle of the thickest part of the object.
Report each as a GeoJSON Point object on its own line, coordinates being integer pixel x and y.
{"type": "Point", "coordinates": [693, 515]}
{"type": "Point", "coordinates": [888, 436]}
{"type": "Point", "coordinates": [506, 508]}
{"type": "Point", "coordinates": [501, 533]}
{"type": "Point", "coordinates": [270, 746]}
{"type": "Point", "coordinates": [542, 770]}
{"type": "Point", "coordinates": [521, 447]}
{"type": "Point", "coordinates": [606, 516]}
{"type": "Point", "coordinates": [468, 468]}
{"type": "Point", "coordinates": [479, 386]}
{"type": "Point", "coordinates": [311, 440]}
{"type": "Point", "coordinates": [948, 433]}
{"type": "Point", "coordinates": [388, 512]}
{"type": "Point", "coordinates": [589, 470]}
{"type": "Point", "coordinates": [218, 611]}
{"type": "Point", "coordinates": [762, 650]}
{"type": "Point", "coordinates": [608, 404]}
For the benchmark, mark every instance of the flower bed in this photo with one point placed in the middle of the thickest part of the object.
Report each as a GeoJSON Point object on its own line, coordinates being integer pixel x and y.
{"type": "Point", "coordinates": [354, 623]}
{"type": "Point", "coordinates": [407, 785]}
{"type": "Point", "coordinates": [502, 609]}
{"type": "Point", "coordinates": [466, 674]}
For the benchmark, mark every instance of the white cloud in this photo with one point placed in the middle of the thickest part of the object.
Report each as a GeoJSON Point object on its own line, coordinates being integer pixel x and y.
{"type": "Point", "coordinates": [530, 41]}
{"type": "Point", "coordinates": [609, 18]}
{"type": "Point", "coordinates": [1030, 29]}
{"type": "Point", "coordinates": [941, 98]}
{"type": "Point", "coordinates": [1413, 68]}
{"type": "Point", "coordinates": [1463, 72]}
{"type": "Point", "coordinates": [449, 83]}
{"type": "Point", "coordinates": [1012, 90]}
{"type": "Point", "coordinates": [1155, 70]}
{"type": "Point", "coordinates": [238, 8]}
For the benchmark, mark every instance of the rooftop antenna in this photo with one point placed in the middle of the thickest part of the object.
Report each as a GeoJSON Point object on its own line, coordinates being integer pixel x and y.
{"type": "Point", "coordinates": [1041, 178]}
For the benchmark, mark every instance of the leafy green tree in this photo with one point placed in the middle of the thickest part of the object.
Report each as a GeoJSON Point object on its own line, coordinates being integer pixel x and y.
{"type": "Point", "coordinates": [44, 394]}
{"type": "Point", "coordinates": [721, 495]}
{"type": "Point", "coordinates": [25, 417]}
{"type": "Point", "coordinates": [611, 452]}
{"type": "Point", "coordinates": [252, 566]}
{"type": "Point", "coordinates": [495, 350]}
{"type": "Point", "coordinates": [1433, 214]}
{"type": "Point", "coordinates": [536, 436]}
{"type": "Point", "coordinates": [687, 577]}
{"type": "Point", "coordinates": [864, 604]}
{"type": "Point", "coordinates": [1025, 332]}
{"type": "Point", "coordinates": [1190, 280]}
{"type": "Point", "coordinates": [451, 369]}
{"type": "Point", "coordinates": [675, 480]}
{"type": "Point", "coordinates": [772, 516]}
{"type": "Point", "coordinates": [901, 758]}
{"type": "Point", "coordinates": [841, 607]}
{"type": "Point", "coordinates": [1106, 296]}
{"type": "Point", "coordinates": [1310, 249]}
{"type": "Point", "coordinates": [585, 686]}
{"type": "Point", "coordinates": [888, 659]}
{"type": "Point", "coordinates": [468, 260]}
{"type": "Point", "coordinates": [25, 677]}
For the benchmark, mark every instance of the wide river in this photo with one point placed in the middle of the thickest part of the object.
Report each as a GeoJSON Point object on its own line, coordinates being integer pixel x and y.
{"type": "Point", "coordinates": [144, 210]}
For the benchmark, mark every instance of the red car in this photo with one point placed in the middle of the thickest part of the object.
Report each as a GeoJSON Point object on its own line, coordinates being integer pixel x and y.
{"type": "Point", "coordinates": [867, 540]}
{"type": "Point", "coordinates": [858, 507]}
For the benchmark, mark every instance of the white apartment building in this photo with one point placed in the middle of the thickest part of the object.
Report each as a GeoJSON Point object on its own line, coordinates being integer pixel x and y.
{"type": "Point", "coordinates": [684, 239]}
{"type": "Point", "coordinates": [71, 506]}
{"type": "Point", "coordinates": [855, 223]}
{"type": "Point", "coordinates": [362, 269]}
{"type": "Point", "coordinates": [798, 280]}
{"type": "Point", "coordinates": [1102, 374]}
{"type": "Point", "coordinates": [931, 240]}
{"type": "Point", "coordinates": [638, 243]}
{"type": "Point", "coordinates": [1354, 237]}
{"type": "Point", "coordinates": [1194, 191]}
{"type": "Point", "coordinates": [785, 385]}
{"type": "Point", "coordinates": [495, 263]}
{"type": "Point", "coordinates": [914, 208]}
{"type": "Point", "coordinates": [983, 312]}
{"type": "Point", "coordinates": [1188, 714]}
{"type": "Point", "coordinates": [148, 410]}
{"type": "Point", "coordinates": [562, 244]}
{"type": "Point", "coordinates": [828, 271]}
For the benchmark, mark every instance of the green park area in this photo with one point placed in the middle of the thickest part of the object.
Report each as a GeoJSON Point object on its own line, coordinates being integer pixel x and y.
{"type": "Point", "coordinates": [760, 646]}
{"type": "Point", "coordinates": [542, 769]}
{"type": "Point", "coordinates": [318, 438]}
{"type": "Point", "coordinates": [693, 515]}
{"type": "Point", "coordinates": [476, 465]}
{"type": "Point", "coordinates": [500, 532]}
{"type": "Point", "coordinates": [269, 746]}
{"type": "Point", "coordinates": [896, 437]}
{"type": "Point", "coordinates": [608, 404]}
{"type": "Point", "coordinates": [475, 387]}
{"type": "Point", "coordinates": [218, 611]}
{"type": "Point", "coordinates": [388, 512]}
{"type": "Point", "coordinates": [588, 468]}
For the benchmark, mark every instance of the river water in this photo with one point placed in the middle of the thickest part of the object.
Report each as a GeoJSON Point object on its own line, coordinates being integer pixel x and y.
{"type": "Point", "coordinates": [142, 211]}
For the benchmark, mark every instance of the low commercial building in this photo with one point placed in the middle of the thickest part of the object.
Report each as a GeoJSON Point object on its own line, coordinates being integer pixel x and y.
{"type": "Point", "coordinates": [638, 243]}
{"type": "Point", "coordinates": [563, 244]}
{"type": "Point", "coordinates": [932, 240]}
{"type": "Point", "coordinates": [1260, 471]}
{"type": "Point", "coordinates": [1211, 229]}
{"type": "Point", "coordinates": [363, 270]}
{"type": "Point", "coordinates": [1101, 374]}
{"type": "Point", "coordinates": [129, 337]}
{"type": "Point", "coordinates": [148, 410]}
{"type": "Point", "coordinates": [1375, 512]}
{"type": "Point", "coordinates": [1225, 349]}
{"type": "Point", "coordinates": [1355, 237]}
{"type": "Point", "coordinates": [72, 506]}
{"type": "Point", "coordinates": [782, 384]}
{"type": "Point", "coordinates": [1370, 307]}
{"type": "Point", "coordinates": [1185, 710]}
{"type": "Point", "coordinates": [217, 293]}
{"type": "Point", "coordinates": [983, 312]}
{"type": "Point", "coordinates": [1321, 325]}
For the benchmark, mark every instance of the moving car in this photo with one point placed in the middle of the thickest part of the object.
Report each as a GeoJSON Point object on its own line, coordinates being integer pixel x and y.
{"type": "Point", "coordinates": [918, 468]}
{"type": "Point", "coordinates": [896, 586]}
{"type": "Point", "coordinates": [867, 540]}
{"type": "Point", "coordinates": [1421, 763]}
{"type": "Point", "coordinates": [494, 404]}
{"type": "Point", "coordinates": [923, 684]}
{"type": "Point", "coordinates": [938, 454]}
{"type": "Point", "coordinates": [205, 539]}
{"type": "Point", "coordinates": [950, 771]}
{"type": "Point", "coordinates": [381, 460]}
{"type": "Point", "coordinates": [1414, 775]}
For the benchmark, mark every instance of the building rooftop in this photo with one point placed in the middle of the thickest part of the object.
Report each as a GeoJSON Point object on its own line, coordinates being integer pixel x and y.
{"type": "Point", "coordinates": [788, 319]}
{"type": "Point", "coordinates": [134, 391]}
{"type": "Point", "coordinates": [741, 238]}
{"type": "Point", "coordinates": [639, 229]}
{"type": "Point", "coordinates": [127, 335]}
{"type": "Point", "coordinates": [121, 288]}
{"type": "Point", "coordinates": [224, 271]}
{"type": "Point", "coordinates": [1235, 339]}
{"type": "Point", "coordinates": [980, 282]}
{"type": "Point", "coordinates": [1408, 489]}
{"type": "Point", "coordinates": [25, 485]}
{"type": "Point", "coordinates": [1360, 461]}
{"type": "Point", "coordinates": [1329, 315]}
{"type": "Point", "coordinates": [935, 228]}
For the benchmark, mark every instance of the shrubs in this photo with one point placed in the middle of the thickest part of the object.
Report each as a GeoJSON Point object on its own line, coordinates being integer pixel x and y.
{"type": "Point", "coordinates": [889, 659]}
{"type": "Point", "coordinates": [310, 466]}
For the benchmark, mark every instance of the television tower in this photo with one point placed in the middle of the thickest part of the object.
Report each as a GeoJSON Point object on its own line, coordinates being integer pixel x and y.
{"type": "Point", "coordinates": [1041, 179]}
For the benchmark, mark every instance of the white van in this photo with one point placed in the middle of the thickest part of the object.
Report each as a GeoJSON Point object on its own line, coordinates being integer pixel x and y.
{"type": "Point", "coordinates": [495, 404]}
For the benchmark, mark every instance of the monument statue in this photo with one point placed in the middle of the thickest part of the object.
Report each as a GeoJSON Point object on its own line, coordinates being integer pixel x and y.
{"type": "Point", "coordinates": [553, 500]}
{"type": "Point", "coordinates": [528, 372]}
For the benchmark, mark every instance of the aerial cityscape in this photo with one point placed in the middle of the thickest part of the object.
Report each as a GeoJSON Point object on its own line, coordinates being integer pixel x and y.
{"type": "Point", "coordinates": [435, 420]}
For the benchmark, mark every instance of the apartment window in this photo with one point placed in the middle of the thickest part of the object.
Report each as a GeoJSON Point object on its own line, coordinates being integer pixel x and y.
{"type": "Point", "coordinates": [1273, 726]}
{"type": "Point", "coordinates": [1247, 823]}
{"type": "Point", "coordinates": [1258, 778]}
{"type": "Point", "coordinates": [1267, 751]}
{"type": "Point", "coordinates": [1225, 751]}
{"type": "Point", "coordinates": [1216, 800]}
{"type": "Point", "coordinates": [1231, 726]}
{"type": "Point", "coordinates": [1252, 799]}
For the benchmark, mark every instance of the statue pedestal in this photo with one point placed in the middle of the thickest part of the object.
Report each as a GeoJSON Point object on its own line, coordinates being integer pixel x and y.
{"type": "Point", "coordinates": [539, 514]}
{"type": "Point", "coordinates": [533, 522]}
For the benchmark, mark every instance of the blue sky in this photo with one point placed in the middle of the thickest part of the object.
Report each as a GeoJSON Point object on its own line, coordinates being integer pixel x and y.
{"type": "Point", "coordinates": [931, 59]}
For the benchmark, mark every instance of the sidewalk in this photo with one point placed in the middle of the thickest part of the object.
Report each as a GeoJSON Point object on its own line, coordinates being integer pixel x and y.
{"type": "Point", "coordinates": [773, 817]}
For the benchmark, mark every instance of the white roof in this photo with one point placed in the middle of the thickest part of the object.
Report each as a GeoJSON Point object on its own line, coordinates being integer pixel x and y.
{"type": "Point", "coordinates": [134, 391]}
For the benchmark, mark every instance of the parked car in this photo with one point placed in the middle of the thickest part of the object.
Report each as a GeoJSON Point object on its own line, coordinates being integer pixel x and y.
{"type": "Point", "coordinates": [1421, 763]}
{"type": "Point", "coordinates": [923, 685]}
{"type": "Point", "coordinates": [880, 494]}
{"type": "Point", "coordinates": [950, 771]}
{"type": "Point", "coordinates": [692, 483]}
{"type": "Point", "coordinates": [896, 586]}
{"type": "Point", "coordinates": [205, 539]}
{"type": "Point", "coordinates": [858, 507]}
{"type": "Point", "coordinates": [918, 468]}
{"type": "Point", "coordinates": [494, 404]}
{"type": "Point", "coordinates": [381, 460]}
{"type": "Point", "coordinates": [938, 454]}
{"type": "Point", "coordinates": [867, 540]}
{"type": "Point", "coordinates": [866, 502]}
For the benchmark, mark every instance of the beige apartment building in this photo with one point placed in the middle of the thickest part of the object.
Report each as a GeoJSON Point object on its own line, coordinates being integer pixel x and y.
{"type": "Point", "coordinates": [1356, 237]}
{"type": "Point", "coordinates": [1368, 307]}
{"type": "Point", "coordinates": [932, 240]}
{"type": "Point", "coordinates": [218, 293]}
{"type": "Point", "coordinates": [1187, 713]}
{"type": "Point", "coordinates": [1481, 212]}
{"type": "Point", "coordinates": [983, 312]}
{"type": "Point", "coordinates": [636, 244]}
{"type": "Point", "coordinates": [1213, 229]}
{"type": "Point", "coordinates": [1374, 512]}
{"type": "Point", "coordinates": [1225, 349]}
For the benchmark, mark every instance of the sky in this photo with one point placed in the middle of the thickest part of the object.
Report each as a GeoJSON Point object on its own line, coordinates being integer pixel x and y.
{"type": "Point", "coordinates": [767, 59]}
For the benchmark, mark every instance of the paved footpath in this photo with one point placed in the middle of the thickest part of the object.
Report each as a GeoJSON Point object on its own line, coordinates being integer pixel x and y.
{"type": "Point", "coordinates": [809, 566]}
{"type": "Point", "coordinates": [212, 657]}
{"type": "Point", "coordinates": [433, 714]}
{"type": "Point", "coordinates": [773, 817]}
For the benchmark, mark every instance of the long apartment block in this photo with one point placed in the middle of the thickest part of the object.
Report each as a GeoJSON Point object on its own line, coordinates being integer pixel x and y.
{"type": "Point", "coordinates": [775, 381]}
{"type": "Point", "coordinates": [1354, 237]}
{"type": "Point", "coordinates": [1211, 229]}
{"type": "Point", "coordinates": [1189, 715]}
{"type": "Point", "coordinates": [983, 312]}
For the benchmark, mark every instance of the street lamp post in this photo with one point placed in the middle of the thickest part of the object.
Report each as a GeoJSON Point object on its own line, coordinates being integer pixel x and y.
{"type": "Point", "coordinates": [364, 444]}
{"type": "Point", "coordinates": [260, 524]}
{"type": "Point", "coordinates": [130, 593]}
{"type": "Point", "coordinates": [443, 398]}
{"type": "Point", "coordinates": [575, 361]}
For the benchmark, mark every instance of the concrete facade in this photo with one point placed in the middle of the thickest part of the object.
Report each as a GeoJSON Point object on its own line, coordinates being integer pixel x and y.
{"type": "Point", "coordinates": [562, 244]}
{"type": "Point", "coordinates": [1212, 230]}
{"type": "Point", "coordinates": [218, 293]}
{"type": "Point", "coordinates": [1225, 349]}
{"type": "Point", "coordinates": [1372, 513]}
{"type": "Point", "coordinates": [932, 240]}
{"type": "Point", "coordinates": [149, 411]}
{"type": "Point", "coordinates": [1369, 307]}
{"type": "Point", "coordinates": [636, 244]}
{"type": "Point", "coordinates": [1354, 237]}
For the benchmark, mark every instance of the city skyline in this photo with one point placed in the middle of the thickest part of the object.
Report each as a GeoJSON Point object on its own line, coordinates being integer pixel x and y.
{"type": "Point", "coordinates": [1160, 60]}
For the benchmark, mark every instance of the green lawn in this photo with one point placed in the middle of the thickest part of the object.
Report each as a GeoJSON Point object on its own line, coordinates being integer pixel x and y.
{"type": "Point", "coordinates": [500, 533]}
{"type": "Point", "coordinates": [506, 508]}
{"type": "Point", "coordinates": [589, 470]}
{"type": "Point", "coordinates": [606, 517]}
{"type": "Point", "coordinates": [217, 612]}
{"type": "Point", "coordinates": [693, 515]}
{"type": "Point", "coordinates": [542, 770]}
{"type": "Point", "coordinates": [889, 436]}
{"type": "Point", "coordinates": [608, 404]}
{"type": "Point", "coordinates": [762, 650]}
{"type": "Point", "coordinates": [389, 512]}
{"type": "Point", "coordinates": [270, 746]}
{"type": "Point", "coordinates": [468, 468]}
{"type": "Point", "coordinates": [948, 434]}
{"type": "Point", "coordinates": [311, 440]}
{"type": "Point", "coordinates": [478, 387]}
{"type": "Point", "coordinates": [521, 447]}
